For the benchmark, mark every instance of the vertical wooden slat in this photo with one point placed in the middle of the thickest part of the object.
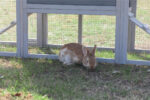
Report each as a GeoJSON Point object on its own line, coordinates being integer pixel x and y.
{"type": "Point", "coordinates": [131, 33]}
{"type": "Point", "coordinates": [24, 33]}
{"type": "Point", "coordinates": [39, 29]}
{"type": "Point", "coordinates": [80, 29]}
{"type": "Point", "coordinates": [22, 28]}
{"type": "Point", "coordinates": [45, 29]}
{"type": "Point", "coordinates": [42, 29]}
{"type": "Point", "coordinates": [121, 31]}
{"type": "Point", "coordinates": [117, 36]}
{"type": "Point", "coordinates": [19, 9]}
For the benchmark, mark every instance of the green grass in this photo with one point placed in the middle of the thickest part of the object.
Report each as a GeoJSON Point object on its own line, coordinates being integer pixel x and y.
{"type": "Point", "coordinates": [45, 79]}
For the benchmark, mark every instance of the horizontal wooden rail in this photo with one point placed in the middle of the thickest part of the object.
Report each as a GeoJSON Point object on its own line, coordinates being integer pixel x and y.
{"type": "Point", "coordinates": [12, 24]}
{"type": "Point", "coordinates": [138, 23]}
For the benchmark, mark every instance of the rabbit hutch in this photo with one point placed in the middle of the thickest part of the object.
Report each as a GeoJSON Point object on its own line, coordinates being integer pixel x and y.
{"type": "Point", "coordinates": [122, 11]}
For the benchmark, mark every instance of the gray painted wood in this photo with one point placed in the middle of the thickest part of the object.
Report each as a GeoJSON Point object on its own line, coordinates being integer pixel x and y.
{"type": "Point", "coordinates": [139, 24]}
{"type": "Point", "coordinates": [140, 62]}
{"type": "Point", "coordinates": [49, 56]}
{"type": "Point", "coordinates": [19, 9]}
{"type": "Point", "coordinates": [42, 29]}
{"type": "Point", "coordinates": [24, 35]}
{"type": "Point", "coordinates": [121, 31]}
{"type": "Point", "coordinates": [86, 12]}
{"type": "Point", "coordinates": [12, 24]}
{"type": "Point", "coordinates": [8, 54]}
{"type": "Point", "coordinates": [80, 29]}
{"type": "Point", "coordinates": [75, 2]}
{"type": "Point", "coordinates": [105, 60]}
{"type": "Point", "coordinates": [22, 28]}
{"type": "Point", "coordinates": [131, 27]}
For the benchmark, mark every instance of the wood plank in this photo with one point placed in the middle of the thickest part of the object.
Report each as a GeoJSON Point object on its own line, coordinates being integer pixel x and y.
{"type": "Point", "coordinates": [117, 36]}
{"type": "Point", "coordinates": [138, 62]}
{"type": "Point", "coordinates": [19, 9]}
{"type": "Point", "coordinates": [131, 27]}
{"type": "Point", "coordinates": [145, 27]}
{"type": "Point", "coordinates": [8, 54]}
{"type": "Point", "coordinates": [71, 7]}
{"type": "Point", "coordinates": [121, 31]}
{"type": "Point", "coordinates": [48, 56]}
{"type": "Point", "coordinates": [75, 2]}
{"type": "Point", "coordinates": [42, 29]}
{"type": "Point", "coordinates": [105, 60]}
{"type": "Point", "coordinates": [12, 24]}
{"type": "Point", "coordinates": [80, 29]}
{"type": "Point", "coordinates": [25, 34]}
{"type": "Point", "coordinates": [86, 12]}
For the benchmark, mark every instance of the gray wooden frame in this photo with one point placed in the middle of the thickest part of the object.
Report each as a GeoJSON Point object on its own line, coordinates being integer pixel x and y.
{"type": "Point", "coordinates": [121, 31]}
{"type": "Point", "coordinates": [120, 11]}
{"type": "Point", "coordinates": [65, 10]}
{"type": "Point", "coordinates": [42, 29]}
{"type": "Point", "coordinates": [131, 33]}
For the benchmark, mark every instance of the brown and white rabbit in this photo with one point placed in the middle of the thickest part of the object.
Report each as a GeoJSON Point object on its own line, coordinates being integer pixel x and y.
{"type": "Point", "coordinates": [76, 53]}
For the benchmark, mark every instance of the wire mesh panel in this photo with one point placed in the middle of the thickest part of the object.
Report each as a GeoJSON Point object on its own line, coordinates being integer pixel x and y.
{"type": "Point", "coordinates": [62, 29]}
{"type": "Point", "coordinates": [32, 27]}
{"type": "Point", "coordinates": [142, 39]}
{"type": "Point", "coordinates": [100, 30]}
{"type": "Point", "coordinates": [7, 26]}
{"type": "Point", "coordinates": [142, 45]}
{"type": "Point", "coordinates": [32, 33]}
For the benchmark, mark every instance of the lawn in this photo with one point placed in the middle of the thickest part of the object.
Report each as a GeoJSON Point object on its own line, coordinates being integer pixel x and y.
{"type": "Point", "coordinates": [43, 79]}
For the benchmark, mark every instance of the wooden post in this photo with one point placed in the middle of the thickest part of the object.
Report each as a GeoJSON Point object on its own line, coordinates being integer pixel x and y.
{"type": "Point", "coordinates": [42, 30]}
{"type": "Point", "coordinates": [22, 28]}
{"type": "Point", "coordinates": [19, 9]}
{"type": "Point", "coordinates": [80, 29]}
{"type": "Point", "coordinates": [121, 31]}
{"type": "Point", "coordinates": [132, 27]}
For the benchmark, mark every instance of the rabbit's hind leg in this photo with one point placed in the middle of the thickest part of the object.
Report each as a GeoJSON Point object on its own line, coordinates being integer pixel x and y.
{"type": "Point", "coordinates": [68, 60]}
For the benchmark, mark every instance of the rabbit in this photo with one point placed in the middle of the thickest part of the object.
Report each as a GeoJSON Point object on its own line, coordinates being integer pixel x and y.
{"type": "Point", "coordinates": [72, 53]}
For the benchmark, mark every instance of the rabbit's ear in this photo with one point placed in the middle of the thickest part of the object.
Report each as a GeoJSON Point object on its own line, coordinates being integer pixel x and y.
{"type": "Point", "coordinates": [84, 50]}
{"type": "Point", "coordinates": [94, 49]}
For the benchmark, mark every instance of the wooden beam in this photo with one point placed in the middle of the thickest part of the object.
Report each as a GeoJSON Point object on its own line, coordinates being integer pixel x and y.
{"type": "Point", "coordinates": [138, 62]}
{"type": "Point", "coordinates": [139, 24]}
{"type": "Point", "coordinates": [12, 24]}
{"type": "Point", "coordinates": [121, 31]}
{"type": "Point", "coordinates": [19, 10]}
{"type": "Point", "coordinates": [24, 33]}
{"type": "Point", "coordinates": [132, 27]}
{"type": "Point", "coordinates": [42, 29]}
{"type": "Point", "coordinates": [8, 54]}
{"type": "Point", "coordinates": [80, 29]}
